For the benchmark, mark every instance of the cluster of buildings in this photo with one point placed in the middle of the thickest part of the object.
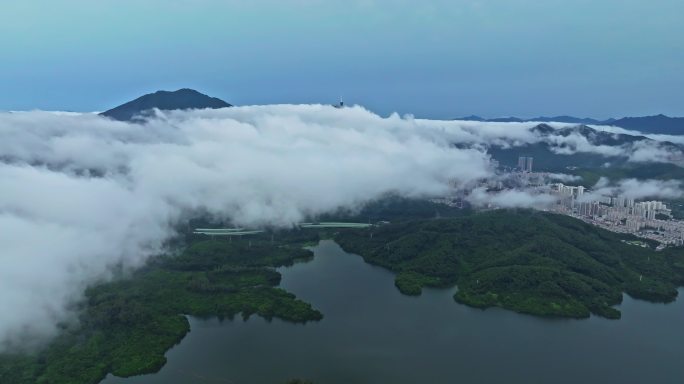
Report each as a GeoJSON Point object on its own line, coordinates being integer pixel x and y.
{"type": "Point", "coordinates": [648, 219]}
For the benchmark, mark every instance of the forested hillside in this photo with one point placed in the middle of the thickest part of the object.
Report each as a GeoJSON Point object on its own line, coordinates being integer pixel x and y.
{"type": "Point", "coordinates": [127, 326]}
{"type": "Point", "coordinates": [526, 261]}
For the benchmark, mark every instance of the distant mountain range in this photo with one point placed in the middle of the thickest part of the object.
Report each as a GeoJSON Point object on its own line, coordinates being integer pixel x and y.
{"type": "Point", "coordinates": [541, 119]}
{"type": "Point", "coordinates": [546, 158]}
{"type": "Point", "coordinates": [164, 100]}
{"type": "Point", "coordinates": [647, 124]}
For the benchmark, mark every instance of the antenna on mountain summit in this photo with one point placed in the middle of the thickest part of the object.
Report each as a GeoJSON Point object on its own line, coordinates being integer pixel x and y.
{"type": "Point", "coordinates": [341, 104]}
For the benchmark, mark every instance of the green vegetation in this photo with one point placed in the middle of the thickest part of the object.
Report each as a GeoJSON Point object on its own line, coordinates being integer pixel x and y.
{"type": "Point", "coordinates": [412, 283]}
{"type": "Point", "coordinates": [127, 325]}
{"type": "Point", "coordinates": [546, 159]}
{"type": "Point", "coordinates": [527, 261]}
{"type": "Point", "coordinates": [393, 208]}
{"type": "Point", "coordinates": [659, 171]}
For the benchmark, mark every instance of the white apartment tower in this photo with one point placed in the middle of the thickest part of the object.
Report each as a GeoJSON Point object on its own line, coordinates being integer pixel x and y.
{"type": "Point", "coordinates": [525, 163]}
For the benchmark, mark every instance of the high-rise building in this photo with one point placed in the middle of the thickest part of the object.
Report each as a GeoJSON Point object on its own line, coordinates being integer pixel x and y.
{"type": "Point", "coordinates": [585, 209]}
{"type": "Point", "coordinates": [525, 163]}
{"type": "Point", "coordinates": [521, 163]}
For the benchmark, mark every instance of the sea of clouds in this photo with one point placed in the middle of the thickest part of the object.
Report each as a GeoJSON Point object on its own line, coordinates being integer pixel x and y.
{"type": "Point", "coordinates": [82, 195]}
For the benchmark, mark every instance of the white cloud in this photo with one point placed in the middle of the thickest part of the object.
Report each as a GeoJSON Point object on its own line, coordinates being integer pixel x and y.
{"type": "Point", "coordinates": [576, 143]}
{"type": "Point", "coordinates": [509, 135]}
{"type": "Point", "coordinates": [563, 177]}
{"type": "Point", "coordinates": [654, 152]}
{"type": "Point", "coordinates": [636, 189]}
{"type": "Point", "coordinates": [81, 194]}
{"type": "Point", "coordinates": [510, 198]}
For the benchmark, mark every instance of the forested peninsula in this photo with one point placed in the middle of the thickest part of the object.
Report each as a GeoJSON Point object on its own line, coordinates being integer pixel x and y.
{"type": "Point", "coordinates": [527, 261]}
{"type": "Point", "coordinates": [126, 326]}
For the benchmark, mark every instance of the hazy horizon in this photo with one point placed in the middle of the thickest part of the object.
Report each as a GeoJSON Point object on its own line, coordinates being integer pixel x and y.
{"type": "Point", "coordinates": [389, 112]}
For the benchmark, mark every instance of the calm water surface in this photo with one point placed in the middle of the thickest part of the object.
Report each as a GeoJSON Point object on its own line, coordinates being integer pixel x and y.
{"type": "Point", "coordinates": [373, 334]}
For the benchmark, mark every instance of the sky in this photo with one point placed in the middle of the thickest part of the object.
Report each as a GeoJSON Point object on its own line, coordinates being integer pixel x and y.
{"type": "Point", "coordinates": [433, 59]}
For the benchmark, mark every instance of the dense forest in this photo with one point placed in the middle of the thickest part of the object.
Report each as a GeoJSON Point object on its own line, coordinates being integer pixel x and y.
{"type": "Point", "coordinates": [641, 171]}
{"type": "Point", "coordinates": [127, 325]}
{"type": "Point", "coordinates": [527, 261]}
{"type": "Point", "coordinates": [395, 209]}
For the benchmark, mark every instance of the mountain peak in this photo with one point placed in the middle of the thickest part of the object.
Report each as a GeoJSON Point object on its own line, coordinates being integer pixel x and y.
{"type": "Point", "coordinates": [184, 98]}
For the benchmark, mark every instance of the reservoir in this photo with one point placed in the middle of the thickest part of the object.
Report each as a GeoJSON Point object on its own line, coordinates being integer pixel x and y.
{"type": "Point", "coordinates": [371, 333]}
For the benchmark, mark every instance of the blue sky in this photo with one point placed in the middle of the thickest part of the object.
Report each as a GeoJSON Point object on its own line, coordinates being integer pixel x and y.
{"type": "Point", "coordinates": [438, 58]}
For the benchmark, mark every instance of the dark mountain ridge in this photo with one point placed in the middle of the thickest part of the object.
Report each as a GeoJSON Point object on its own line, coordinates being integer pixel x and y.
{"type": "Point", "coordinates": [593, 136]}
{"type": "Point", "coordinates": [164, 100]}
{"type": "Point", "coordinates": [546, 154]}
{"type": "Point", "coordinates": [659, 124]}
{"type": "Point", "coordinates": [653, 124]}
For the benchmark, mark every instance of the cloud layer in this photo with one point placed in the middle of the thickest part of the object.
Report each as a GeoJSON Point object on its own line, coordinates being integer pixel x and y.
{"type": "Point", "coordinates": [510, 198]}
{"type": "Point", "coordinates": [81, 195]}
{"type": "Point", "coordinates": [637, 189]}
